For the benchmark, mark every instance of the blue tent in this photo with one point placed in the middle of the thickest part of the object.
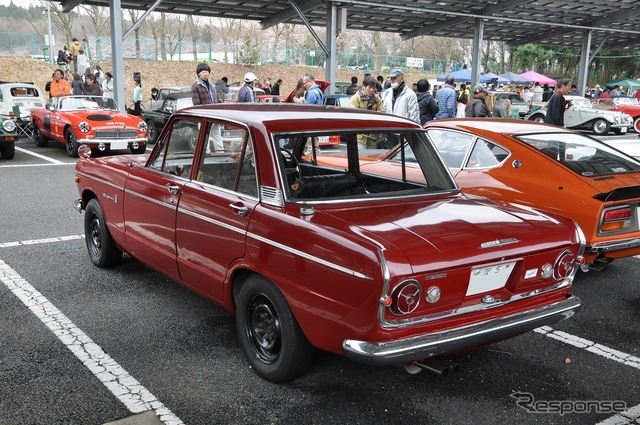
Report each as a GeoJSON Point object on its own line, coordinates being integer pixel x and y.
{"type": "Point", "coordinates": [461, 76]}
{"type": "Point", "coordinates": [486, 78]}
{"type": "Point", "coordinates": [514, 78]}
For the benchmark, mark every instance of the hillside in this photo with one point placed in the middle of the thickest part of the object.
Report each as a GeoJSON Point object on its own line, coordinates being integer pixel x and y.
{"type": "Point", "coordinates": [159, 74]}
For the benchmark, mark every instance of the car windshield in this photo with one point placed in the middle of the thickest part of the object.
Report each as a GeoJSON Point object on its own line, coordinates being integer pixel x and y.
{"type": "Point", "coordinates": [581, 154]}
{"type": "Point", "coordinates": [72, 103]}
{"type": "Point", "coordinates": [24, 92]}
{"type": "Point", "coordinates": [336, 165]}
{"type": "Point", "coordinates": [582, 102]}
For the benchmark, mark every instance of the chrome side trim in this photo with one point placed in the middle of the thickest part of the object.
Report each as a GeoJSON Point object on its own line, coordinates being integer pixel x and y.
{"type": "Point", "coordinates": [99, 180]}
{"type": "Point", "coordinates": [213, 221]}
{"type": "Point", "coordinates": [149, 199]}
{"type": "Point", "coordinates": [386, 353]}
{"type": "Point", "coordinates": [310, 257]}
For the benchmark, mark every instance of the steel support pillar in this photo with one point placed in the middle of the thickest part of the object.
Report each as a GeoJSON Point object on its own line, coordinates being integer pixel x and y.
{"type": "Point", "coordinates": [478, 34]}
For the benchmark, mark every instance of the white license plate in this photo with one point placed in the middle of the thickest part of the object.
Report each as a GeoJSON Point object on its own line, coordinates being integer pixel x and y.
{"type": "Point", "coordinates": [119, 145]}
{"type": "Point", "coordinates": [484, 279]}
{"type": "Point", "coordinates": [623, 129]}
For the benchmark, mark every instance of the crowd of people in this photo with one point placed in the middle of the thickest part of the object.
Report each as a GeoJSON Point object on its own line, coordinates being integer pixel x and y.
{"type": "Point", "coordinates": [393, 95]}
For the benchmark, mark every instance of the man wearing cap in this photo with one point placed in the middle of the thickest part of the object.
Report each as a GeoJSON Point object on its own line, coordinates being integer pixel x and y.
{"type": "Point", "coordinates": [477, 107]}
{"type": "Point", "coordinates": [400, 99]}
{"type": "Point", "coordinates": [203, 92]}
{"type": "Point", "coordinates": [245, 94]}
{"type": "Point", "coordinates": [446, 98]}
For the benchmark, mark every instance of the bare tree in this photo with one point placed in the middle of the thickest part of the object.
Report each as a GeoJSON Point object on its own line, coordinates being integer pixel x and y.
{"type": "Point", "coordinates": [230, 31]}
{"type": "Point", "coordinates": [62, 21]}
{"type": "Point", "coordinates": [134, 15]}
{"type": "Point", "coordinates": [175, 28]}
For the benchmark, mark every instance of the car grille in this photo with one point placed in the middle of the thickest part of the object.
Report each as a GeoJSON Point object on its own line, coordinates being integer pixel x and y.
{"type": "Point", "coordinates": [116, 134]}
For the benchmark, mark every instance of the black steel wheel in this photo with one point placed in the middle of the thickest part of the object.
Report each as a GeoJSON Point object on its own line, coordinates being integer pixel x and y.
{"type": "Point", "coordinates": [269, 333]}
{"type": "Point", "coordinates": [41, 140]}
{"type": "Point", "coordinates": [102, 250]}
{"type": "Point", "coordinates": [71, 143]}
{"type": "Point", "coordinates": [152, 131]}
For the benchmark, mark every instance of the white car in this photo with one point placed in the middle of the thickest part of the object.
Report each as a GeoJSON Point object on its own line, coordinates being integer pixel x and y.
{"type": "Point", "coordinates": [579, 114]}
{"type": "Point", "coordinates": [19, 99]}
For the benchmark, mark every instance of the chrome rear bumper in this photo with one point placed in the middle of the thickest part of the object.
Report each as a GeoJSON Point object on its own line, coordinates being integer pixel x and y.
{"type": "Point", "coordinates": [423, 346]}
{"type": "Point", "coordinates": [599, 248]}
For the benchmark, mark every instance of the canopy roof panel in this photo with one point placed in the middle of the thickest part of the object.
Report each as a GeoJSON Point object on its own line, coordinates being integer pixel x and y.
{"type": "Point", "coordinates": [615, 24]}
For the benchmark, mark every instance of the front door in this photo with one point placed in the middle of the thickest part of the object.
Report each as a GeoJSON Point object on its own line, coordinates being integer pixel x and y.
{"type": "Point", "coordinates": [153, 194]}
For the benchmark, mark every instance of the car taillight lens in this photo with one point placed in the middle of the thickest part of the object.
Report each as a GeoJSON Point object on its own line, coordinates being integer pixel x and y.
{"type": "Point", "coordinates": [405, 298]}
{"type": "Point", "coordinates": [616, 219]}
{"type": "Point", "coordinates": [334, 139]}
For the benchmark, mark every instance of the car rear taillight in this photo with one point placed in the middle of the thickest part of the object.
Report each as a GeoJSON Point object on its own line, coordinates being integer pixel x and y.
{"type": "Point", "coordinates": [616, 219]}
{"type": "Point", "coordinates": [334, 139]}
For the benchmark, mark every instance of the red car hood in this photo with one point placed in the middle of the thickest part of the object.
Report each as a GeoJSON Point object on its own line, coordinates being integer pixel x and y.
{"type": "Point", "coordinates": [99, 118]}
{"type": "Point", "coordinates": [450, 232]}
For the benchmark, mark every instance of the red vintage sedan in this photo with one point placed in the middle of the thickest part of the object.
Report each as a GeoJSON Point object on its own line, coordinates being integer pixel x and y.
{"type": "Point", "coordinates": [95, 121]}
{"type": "Point", "coordinates": [385, 270]}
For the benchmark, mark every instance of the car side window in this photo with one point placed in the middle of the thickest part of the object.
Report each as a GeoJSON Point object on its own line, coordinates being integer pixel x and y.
{"type": "Point", "coordinates": [451, 145]}
{"type": "Point", "coordinates": [228, 160]}
{"type": "Point", "coordinates": [486, 154]}
{"type": "Point", "coordinates": [177, 149]}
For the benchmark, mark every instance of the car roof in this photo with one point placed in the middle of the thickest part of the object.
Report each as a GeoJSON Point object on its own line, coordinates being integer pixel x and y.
{"type": "Point", "coordinates": [178, 88]}
{"type": "Point", "coordinates": [178, 95]}
{"type": "Point", "coordinates": [287, 117]}
{"type": "Point", "coordinates": [497, 126]}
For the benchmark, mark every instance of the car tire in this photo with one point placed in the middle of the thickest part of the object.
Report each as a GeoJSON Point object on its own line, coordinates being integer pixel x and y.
{"type": "Point", "coordinates": [537, 118]}
{"type": "Point", "coordinates": [71, 143]}
{"type": "Point", "coordinates": [269, 334]}
{"type": "Point", "coordinates": [8, 151]}
{"type": "Point", "coordinates": [152, 131]}
{"type": "Point", "coordinates": [138, 150]}
{"type": "Point", "coordinates": [102, 250]}
{"type": "Point", "coordinates": [600, 127]}
{"type": "Point", "coordinates": [636, 124]}
{"type": "Point", "coordinates": [41, 140]}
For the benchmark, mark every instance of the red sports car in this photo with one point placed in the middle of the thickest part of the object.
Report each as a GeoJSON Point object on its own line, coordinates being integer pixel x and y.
{"type": "Point", "coordinates": [386, 270]}
{"type": "Point", "coordinates": [92, 120]}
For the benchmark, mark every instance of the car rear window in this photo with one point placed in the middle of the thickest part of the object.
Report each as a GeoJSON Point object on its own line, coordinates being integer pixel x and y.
{"type": "Point", "coordinates": [583, 155]}
{"type": "Point", "coordinates": [24, 92]}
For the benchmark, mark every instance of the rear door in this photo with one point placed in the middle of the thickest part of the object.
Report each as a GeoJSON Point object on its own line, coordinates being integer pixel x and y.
{"type": "Point", "coordinates": [216, 207]}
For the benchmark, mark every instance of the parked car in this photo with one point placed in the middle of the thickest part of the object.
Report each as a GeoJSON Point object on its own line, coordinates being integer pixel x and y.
{"type": "Point", "coordinates": [232, 95]}
{"type": "Point", "coordinates": [337, 100]}
{"type": "Point", "coordinates": [551, 169]}
{"type": "Point", "coordinates": [579, 114]}
{"type": "Point", "coordinates": [8, 137]}
{"type": "Point", "coordinates": [18, 99]}
{"type": "Point", "coordinates": [382, 269]}
{"type": "Point", "coordinates": [159, 95]}
{"type": "Point", "coordinates": [517, 102]}
{"type": "Point", "coordinates": [157, 118]}
{"type": "Point", "coordinates": [92, 120]}
{"type": "Point", "coordinates": [628, 105]}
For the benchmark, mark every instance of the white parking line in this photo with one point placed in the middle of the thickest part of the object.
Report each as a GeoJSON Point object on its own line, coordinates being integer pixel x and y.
{"type": "Point", "coordinates": [39, 241]}
{"type": "Point", "coordinates": [590, 346]}
{"type": "Point", "coordinates": [46, 158]}
{"type": "Point", "coordinates": [113, 376]}
{"type": "Point", "coordinates": [629, 416]}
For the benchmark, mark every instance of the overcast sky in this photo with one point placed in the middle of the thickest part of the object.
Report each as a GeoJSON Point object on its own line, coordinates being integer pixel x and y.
{"type": "Point", "coordinates": [19, 2]}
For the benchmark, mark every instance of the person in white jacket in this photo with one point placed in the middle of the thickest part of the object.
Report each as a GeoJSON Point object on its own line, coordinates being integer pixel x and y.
{"type": "Point", "coordinates": [400, 99]}
{"type": "Point", "coordinates": [107, 85]}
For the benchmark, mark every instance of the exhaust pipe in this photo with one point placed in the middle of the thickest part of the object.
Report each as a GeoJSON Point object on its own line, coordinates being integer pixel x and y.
{"type": "Point", "coordinates": [435, 365]}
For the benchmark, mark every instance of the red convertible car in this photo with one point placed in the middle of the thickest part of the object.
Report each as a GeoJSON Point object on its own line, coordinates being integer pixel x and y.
{"type": "Point", "coordinates": [628, 105]}
{"type": "Point", "coordinates": [92, 120]}
{"type": "Point", "coordinates": [386, 270]}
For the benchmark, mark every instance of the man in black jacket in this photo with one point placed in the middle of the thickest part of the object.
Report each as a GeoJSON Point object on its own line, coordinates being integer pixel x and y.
{"type": "Point", "coordinates": [477, 107]}
{"type": "Point", "coordinates": [556, 105]}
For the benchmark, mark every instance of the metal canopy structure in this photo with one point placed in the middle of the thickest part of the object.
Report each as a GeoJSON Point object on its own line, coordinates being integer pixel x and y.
{"type": "Point", "coordinates": [605, 24]}
{"type": "Point", "coordinates": [616, 23]}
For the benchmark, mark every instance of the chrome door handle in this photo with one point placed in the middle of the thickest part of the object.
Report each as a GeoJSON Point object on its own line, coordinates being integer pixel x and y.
{"type": "Point", "coordinates": [241, 211]}
{"type": "Point", "coordinates": [173, 189]}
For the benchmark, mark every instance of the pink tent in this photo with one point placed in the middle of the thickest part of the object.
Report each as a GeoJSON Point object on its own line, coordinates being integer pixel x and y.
{"type": "Point", "coordinates": [538, 78]}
